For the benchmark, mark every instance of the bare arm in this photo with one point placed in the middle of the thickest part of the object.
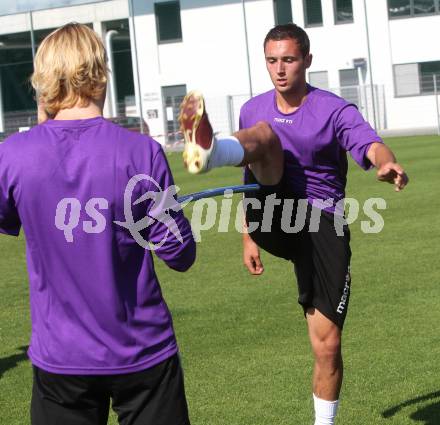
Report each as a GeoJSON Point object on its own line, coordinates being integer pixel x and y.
{"type": "Point", "coordinates": [388, 170]}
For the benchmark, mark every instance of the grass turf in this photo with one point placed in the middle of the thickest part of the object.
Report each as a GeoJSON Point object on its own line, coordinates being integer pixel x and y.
{"type": "Point", "coordinates": [243, 339]}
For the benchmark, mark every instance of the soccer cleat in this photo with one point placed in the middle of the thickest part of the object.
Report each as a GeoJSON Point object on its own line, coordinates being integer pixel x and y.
{"type": "Point", "coordinates": [197, 133]}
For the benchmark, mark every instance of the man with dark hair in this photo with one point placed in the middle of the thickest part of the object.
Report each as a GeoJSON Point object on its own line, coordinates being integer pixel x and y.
{"type": "Point", "coordinates": [289, 31]}
{"type": "Point", "coordinates": [316, 129]}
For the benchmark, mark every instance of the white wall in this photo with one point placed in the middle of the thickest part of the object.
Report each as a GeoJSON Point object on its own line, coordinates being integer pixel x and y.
{"type": "Point", "coordinates": [211, 57]}
{"type": "Point", "coordinates": [212, 54]}
{"type": "Point", "coordinates": [335, 46]}
{"type": "Point", "coordinates": [52, 18]}
{"type": "Point", "coordinates": [413, 40]}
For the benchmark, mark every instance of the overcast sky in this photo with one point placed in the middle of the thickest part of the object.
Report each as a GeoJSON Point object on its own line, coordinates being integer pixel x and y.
{"type": "Point", "coordinates": [18, 6]}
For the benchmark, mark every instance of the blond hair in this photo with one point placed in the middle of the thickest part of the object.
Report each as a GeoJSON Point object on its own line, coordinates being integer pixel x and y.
{"type": "Point", "coordinates": [69, 68]}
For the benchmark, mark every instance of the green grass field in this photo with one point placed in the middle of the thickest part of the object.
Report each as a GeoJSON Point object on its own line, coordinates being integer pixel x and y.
{"type": "Point", "coordinates": [243, 339]}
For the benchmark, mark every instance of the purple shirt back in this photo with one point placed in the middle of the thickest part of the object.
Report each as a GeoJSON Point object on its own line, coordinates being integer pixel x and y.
{"type": "Point", "coordinates": [315, 139]}
{"type": "Point", "coordinates": [96, 303]}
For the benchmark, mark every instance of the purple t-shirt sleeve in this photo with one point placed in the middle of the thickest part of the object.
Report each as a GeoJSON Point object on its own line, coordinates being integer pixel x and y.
{"type": "Point", "coordinates": [9, 219]}
{"type": "Point", "coordinates": [241, 125]}
{"type": "Point", "coordinates": [355, 134]}
{"type": "Point", "coordinates": [240, 121]}
{"type": "Point", "coordinates": [170, 231]}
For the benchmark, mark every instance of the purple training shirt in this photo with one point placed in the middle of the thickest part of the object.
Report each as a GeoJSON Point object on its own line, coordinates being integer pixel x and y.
{"type": "Point", "coordinates": [96, 303]}
{"type": "Point", "coordinates": [315, 139]}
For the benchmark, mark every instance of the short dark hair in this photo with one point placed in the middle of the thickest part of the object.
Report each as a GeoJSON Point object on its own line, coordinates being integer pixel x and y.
{"type": "Point", "coordinates": [290, 31]}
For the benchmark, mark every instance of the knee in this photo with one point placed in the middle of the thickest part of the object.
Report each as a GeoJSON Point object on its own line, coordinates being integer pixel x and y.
{"type": "Point", "coordinates": [271, 145]}
{"type": "Point", "coordinates": [268, 136]}
{"type": "Point", "coordinates": [327, 349]}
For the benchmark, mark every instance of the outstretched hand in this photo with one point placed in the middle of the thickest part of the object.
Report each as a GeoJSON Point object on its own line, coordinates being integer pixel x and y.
{"type": "Point", "coordinates": [251, 256]}
{"type": "Point", "coordinates": [393, 173]}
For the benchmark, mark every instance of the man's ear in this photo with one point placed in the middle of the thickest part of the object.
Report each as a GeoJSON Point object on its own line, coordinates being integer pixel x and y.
{"type": "Point", "coordinates": [308, 60]}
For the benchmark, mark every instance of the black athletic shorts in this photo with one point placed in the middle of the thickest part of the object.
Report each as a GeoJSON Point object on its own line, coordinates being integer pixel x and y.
{"type": "Point", "coordinates": [154, 396]}
{"type": "Point", "coordinates": [321, 258]}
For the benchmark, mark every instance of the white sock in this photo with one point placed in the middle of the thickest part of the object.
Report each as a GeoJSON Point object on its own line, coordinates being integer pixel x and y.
{"type": "Point", "coordinates": [325, 411]}
{"type": "Point", "coordinates": [227, 151]}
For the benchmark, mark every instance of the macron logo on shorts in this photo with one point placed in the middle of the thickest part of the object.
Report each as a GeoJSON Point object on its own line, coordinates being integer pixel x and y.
{"type": "Point", "coordinates": [345, 293]}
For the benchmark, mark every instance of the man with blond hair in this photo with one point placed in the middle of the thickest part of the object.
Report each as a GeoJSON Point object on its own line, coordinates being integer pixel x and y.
{"type": "Point", "coordinates": [101, 329]}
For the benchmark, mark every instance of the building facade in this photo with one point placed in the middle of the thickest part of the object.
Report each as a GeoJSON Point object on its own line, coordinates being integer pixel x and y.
{"type": "Point", "coordinates": [379, 54]}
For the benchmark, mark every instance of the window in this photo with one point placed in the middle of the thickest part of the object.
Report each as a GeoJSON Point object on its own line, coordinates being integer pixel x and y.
{"type": "Point", "coordinates": [412, 79]}
{"type": "Point", "coordinates": [349, 81]}
{"type": "Point", "coordinates": [348, 77]}
{"type": "Point", "coordinates": [411, 8]}
{"type": "Point", "coordinates": [343, 11]}
{"type": "Point", "coordinates": [319, 79]}
{"type": "Point", "coordinates": [172, 97]}
{"type": "Point", "coordinates": [18, 107]}
{"type": "Point", "coordinates": [15, 70]}
{"type": "Point", "coordinates": [427, 72]}
{"type": "Point", "coordinates": [406, 78]}
{"type": "Point", "coordinates": [168, 22]}
{"type": "Point", "coordinates": [312, 13]}
{"type": "Point", "coordinates": [425, 7]}
{"type": "Point", "coordinates": [282, 11]}
{"type": "Point", "coordinates": [123, 66]}
{"type": "Point", "coordinates": [397, 8]}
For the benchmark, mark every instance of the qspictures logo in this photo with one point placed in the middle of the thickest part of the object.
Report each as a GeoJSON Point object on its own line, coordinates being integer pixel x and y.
{"type": "Point", "coordinates": [207, 213]}
{"type": "Point", "coordinates": [162, 202]}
